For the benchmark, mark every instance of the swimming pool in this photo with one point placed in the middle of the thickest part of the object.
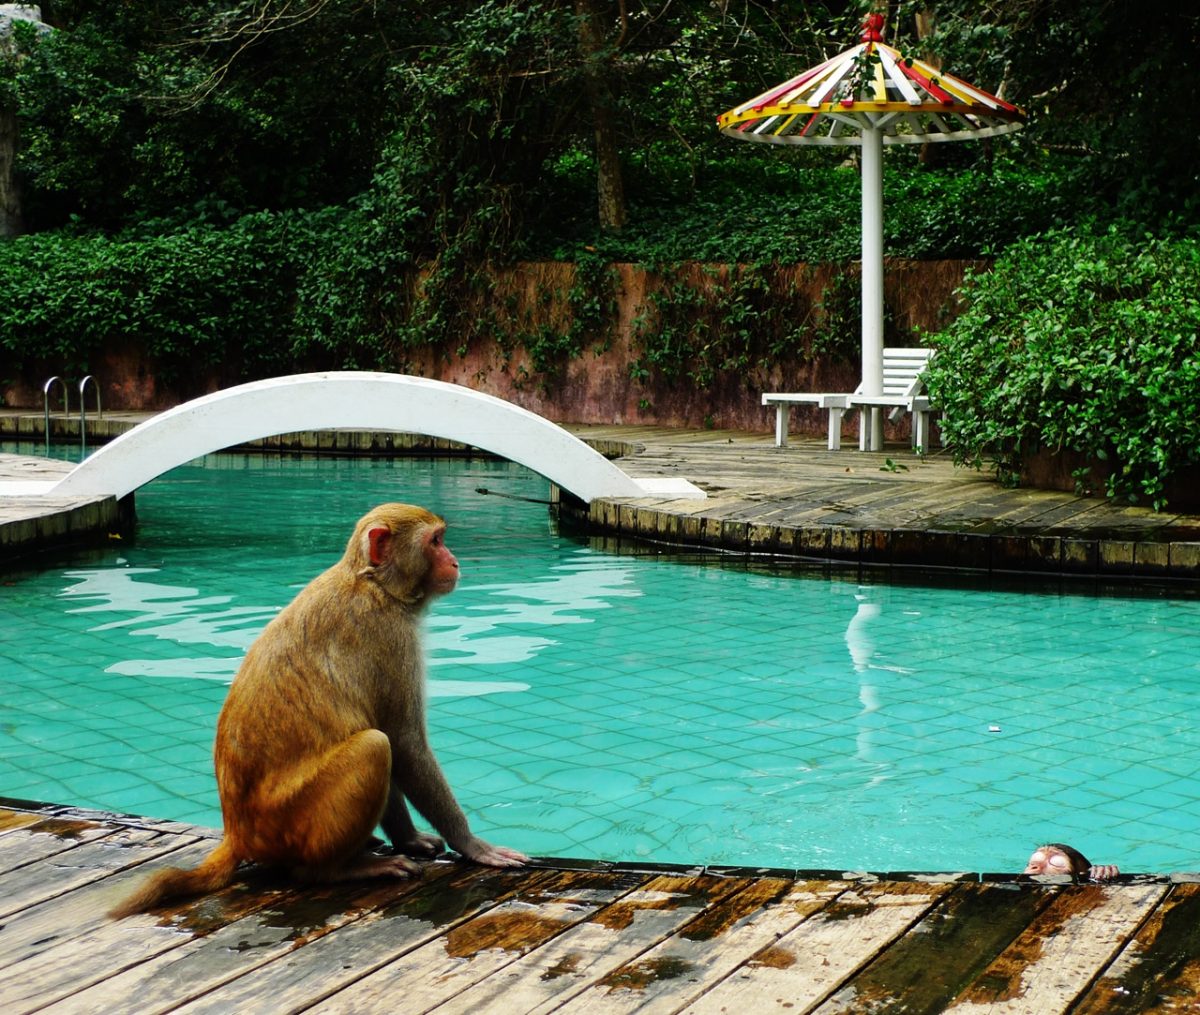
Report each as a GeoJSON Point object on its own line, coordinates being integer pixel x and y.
{"type": "Point", "coordinates": [652, 707]}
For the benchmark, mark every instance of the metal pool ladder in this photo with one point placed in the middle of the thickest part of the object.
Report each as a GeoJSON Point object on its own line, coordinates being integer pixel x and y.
{"type": "Point", "coordinates": [67, 407]}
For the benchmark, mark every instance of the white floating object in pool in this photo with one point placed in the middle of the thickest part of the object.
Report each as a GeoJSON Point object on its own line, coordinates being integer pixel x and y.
{"type": "Point", "coordinates": [993, 729]}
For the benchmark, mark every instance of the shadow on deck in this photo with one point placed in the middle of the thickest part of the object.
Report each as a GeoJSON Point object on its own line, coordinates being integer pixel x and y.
{"type": "Point", "coordinates": [570, 936]}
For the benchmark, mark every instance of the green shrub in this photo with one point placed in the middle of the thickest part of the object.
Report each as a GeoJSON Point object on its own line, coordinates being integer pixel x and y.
{"type": "Point", "coordinates": [1084, 341]}
{"type": "Point", "coordinates": [192, 298]}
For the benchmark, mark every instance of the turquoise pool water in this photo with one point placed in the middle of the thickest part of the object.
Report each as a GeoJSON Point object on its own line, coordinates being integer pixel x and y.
{"type": "Point", "coordinates": [653, 707]}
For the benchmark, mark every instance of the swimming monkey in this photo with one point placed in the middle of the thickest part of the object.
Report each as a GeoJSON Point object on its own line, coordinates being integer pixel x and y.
{"type": "Point", "coordinates": [1059, 858]}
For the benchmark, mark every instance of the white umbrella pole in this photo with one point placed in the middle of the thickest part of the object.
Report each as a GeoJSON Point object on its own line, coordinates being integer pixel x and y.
{"type": "Point", "coordinates": [872, 284]}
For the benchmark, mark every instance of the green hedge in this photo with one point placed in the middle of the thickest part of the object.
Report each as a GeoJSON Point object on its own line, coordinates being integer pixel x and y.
{"type": "Point", "coordinates": [1080, 340]}
{"type": "Point", "coordinates": [191, 298]}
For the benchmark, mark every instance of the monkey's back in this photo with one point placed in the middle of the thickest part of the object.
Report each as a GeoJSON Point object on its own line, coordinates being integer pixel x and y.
{"type": "Point", "coordinates": [320, 671]}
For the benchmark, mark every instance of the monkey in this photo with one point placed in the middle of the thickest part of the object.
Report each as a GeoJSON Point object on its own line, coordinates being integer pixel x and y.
{"type": "Point", "coordinates": [322, 735]}
{"type": "Point", "coordinates": [1059, 858]}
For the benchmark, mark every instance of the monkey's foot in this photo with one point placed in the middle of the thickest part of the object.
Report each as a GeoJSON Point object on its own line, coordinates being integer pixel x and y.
{"type": "Point", "coordinates": [382, 867]}
{"type": "Point", "coordinates": [369, 865]}
{"type": "Point", "coordinates": [420, 844]}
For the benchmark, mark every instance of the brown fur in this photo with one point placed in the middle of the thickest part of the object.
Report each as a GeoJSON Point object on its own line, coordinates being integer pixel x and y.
{"type": "Point", "coordinates": [322, 735]}
{"type": "Point", "coordinates": [1080, 864]}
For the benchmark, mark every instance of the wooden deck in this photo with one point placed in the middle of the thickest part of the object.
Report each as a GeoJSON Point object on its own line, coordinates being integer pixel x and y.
{"type": "Point", "coordinates": [572, 937]}
{"type": "Point", "coordinates": [889, 508]}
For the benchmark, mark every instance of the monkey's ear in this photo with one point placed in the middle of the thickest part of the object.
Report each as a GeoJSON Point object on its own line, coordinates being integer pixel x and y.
{"type": "Point", "coordinates": [379, 540]}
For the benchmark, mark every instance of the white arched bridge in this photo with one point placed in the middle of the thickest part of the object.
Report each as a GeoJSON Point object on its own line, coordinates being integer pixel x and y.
{"type": "Point", "coordinates": [351, 400]}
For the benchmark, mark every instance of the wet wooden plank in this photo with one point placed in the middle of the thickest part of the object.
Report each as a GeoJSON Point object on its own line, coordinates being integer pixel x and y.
{"type": "Point", "coordinates": [65, 919]}
{"type": "Point", "coordinates": [77, 974]}
{"type": "Point", "coordinates": [1058, 955]}
{"type": "Point", "coordinates": [944, 953]}
{"type": "Point", "coordinates": [295, 973]}
{"type": "Point", "coordinates": [805, 965]}
{"type": "Point", "coordinates": [159, 963]}
{"type": "Point", "coordinates": [93, 859]}
{"type": "Point", "coordinates": [435, 973]}
{"type": "Point", "coordinates": [1159, 970]}
{"type": "Point", "coordinates": [689, 961]}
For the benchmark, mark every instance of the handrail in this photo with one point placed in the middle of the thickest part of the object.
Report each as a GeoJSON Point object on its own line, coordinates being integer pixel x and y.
{"type": "Point", "coordinates": [46, 401]}
{"type": "Point", "coordinates": [83, 411]}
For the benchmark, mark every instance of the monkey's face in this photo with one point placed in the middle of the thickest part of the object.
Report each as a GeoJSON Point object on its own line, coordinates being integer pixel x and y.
{"type": "Point", "coordinates": [403, 548]}
{"type": "Point", "coordinates": [443, 567]}
{"type": "Point", "coordinates": [1049, 860]}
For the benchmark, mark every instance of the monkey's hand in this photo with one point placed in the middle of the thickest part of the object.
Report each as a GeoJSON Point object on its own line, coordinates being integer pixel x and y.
{"type": "Point", "coordinates": [420, 844]}
{"type": "Point", "coordinates": [492, 856]}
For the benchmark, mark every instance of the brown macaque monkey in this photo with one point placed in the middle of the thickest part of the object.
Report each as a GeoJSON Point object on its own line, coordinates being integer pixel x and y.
{"type": "Point", "coordinates": [322, 736]}
{"type": "Point", "coordinates": [1059, 858]}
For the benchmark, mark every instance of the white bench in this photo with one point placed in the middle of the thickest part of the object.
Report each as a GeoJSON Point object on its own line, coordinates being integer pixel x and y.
{"type": "Point", "coordinates": [903, 385]}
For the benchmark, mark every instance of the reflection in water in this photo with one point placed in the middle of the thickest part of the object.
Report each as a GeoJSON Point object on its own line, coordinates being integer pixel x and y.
{"type": "Point", "coordinates": [863, 652]}
{"type": "Point", "coordinates": [478, 633]}
{"type": "Point", "coordinates": [858, 638]}
{"type": "Point", "coordinates": [862, 649]}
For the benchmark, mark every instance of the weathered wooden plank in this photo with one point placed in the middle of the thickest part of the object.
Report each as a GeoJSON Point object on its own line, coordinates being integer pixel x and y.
{"type": "Point", "coordinates": [808, 963]}
{"type": "Point", "coordinates": [435, 973]}
{"type": "Point", "coordinates": [304, 971]}
{"type": "Point", "coordinates": [1059, 954]}
{"type": "Point", "coordinates": [544, 977]}
{"type": "Point", "coordinates": [157, 964]}
{"type": "Point", "coordinates": [44, 838]}
{"type": "Point", "coordinates": [944, 952]}
{"type": "Point", "coordinates": [59, 873]}
{"type": "Point", "coordinates": [1159, 970]}
{"type": "Point", "coordinates": [10, 820]}
{"type": "Point", "coordinates": [67, 917]}
{"type": "Point", "coordinates": [678, 969]}
{"type": "Point", "coordinates": [1029, 511]}
{"type": "Point", "coordinates": [913, 503]}
{"type": "Point", "coordinates": [90, 962]}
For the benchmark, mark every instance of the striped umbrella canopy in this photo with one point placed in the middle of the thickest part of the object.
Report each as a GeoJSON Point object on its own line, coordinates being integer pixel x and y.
{"type": "Point", "coordinates": [869, 96]}
{"type": "Point", "coordinates": [871, 86]}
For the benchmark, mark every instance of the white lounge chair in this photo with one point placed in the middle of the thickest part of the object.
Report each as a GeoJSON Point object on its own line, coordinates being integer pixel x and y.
{"type": "Point", "coordinates": [902, 391]}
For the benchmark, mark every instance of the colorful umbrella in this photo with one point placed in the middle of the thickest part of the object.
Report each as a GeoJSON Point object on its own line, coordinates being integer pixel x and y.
{"type": "Point", "coordinates": [870, 96]}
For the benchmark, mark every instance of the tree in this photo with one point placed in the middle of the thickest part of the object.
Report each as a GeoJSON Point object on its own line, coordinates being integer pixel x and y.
{"type": "Point", "coordinates": [1100, 79]}
{"type": "Point", "coordinates": [20, 27]}
{"type": "Point", "coordinates": [595, 54]}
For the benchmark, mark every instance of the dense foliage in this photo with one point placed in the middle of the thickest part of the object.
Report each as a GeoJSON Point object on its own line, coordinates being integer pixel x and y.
{"type": "Point", "coordinates": [277, 183]}
{"type": "Point", "coordinates": [192, 298]}
{"type": "Point", "coordinates": [1085, 341]}
{"type": "Point", "coordinates": [476, 110]}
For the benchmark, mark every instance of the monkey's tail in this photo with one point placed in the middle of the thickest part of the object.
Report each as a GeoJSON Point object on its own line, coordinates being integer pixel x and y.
{"type": "Point", "coordinates": [215, 871]}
